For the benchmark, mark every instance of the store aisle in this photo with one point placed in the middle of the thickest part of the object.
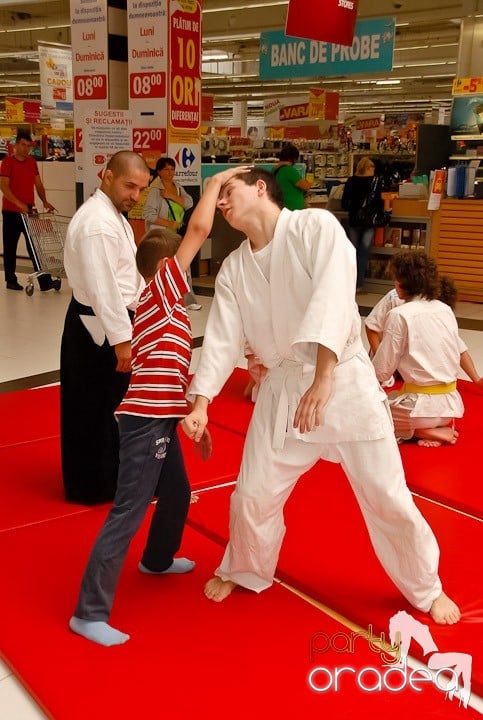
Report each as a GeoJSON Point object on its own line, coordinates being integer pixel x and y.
{"type": "Point", "coordinates": [30, 332]}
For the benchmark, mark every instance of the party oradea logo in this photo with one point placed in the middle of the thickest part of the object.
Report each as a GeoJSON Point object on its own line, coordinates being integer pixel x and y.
{"type": "Point", "coordinates": [449, 672]}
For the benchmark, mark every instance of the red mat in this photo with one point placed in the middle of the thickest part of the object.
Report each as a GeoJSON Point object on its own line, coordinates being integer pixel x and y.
{"type": "Point", "coordinates": [327, 554]}
{"type": "Point", "coordinates": [31, 484]}
{"type": "Point", "coordinates": [31, 481]}
{"type": "Point", "coordinates": [450, 474]}
{"type": "Point", "coordinates": [188, 657]}
{"type": "Point", "coordinates": [29, 415]}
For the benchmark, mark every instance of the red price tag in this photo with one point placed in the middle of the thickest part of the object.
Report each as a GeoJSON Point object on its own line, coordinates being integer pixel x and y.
{"type": "Point", "coordinates": [147, 85]}
{"type": "Point", "coordinates": [90, 87]}
{"type": "Point", "coordinates": [149, 139]}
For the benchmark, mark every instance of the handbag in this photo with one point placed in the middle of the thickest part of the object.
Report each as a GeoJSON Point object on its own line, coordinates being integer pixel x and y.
{"type": "Point", "coordinates": [371, 212]}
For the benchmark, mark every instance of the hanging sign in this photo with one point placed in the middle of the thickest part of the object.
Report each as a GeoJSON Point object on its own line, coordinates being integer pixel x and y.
{"type": "Point", "coordinates": [19, 111]}
{"type": "Point", "coordinates": [330, 21]}
{"type": "Point", "coordinates": [323, 104]}
{"type": "Point", "coordinates": [55, 66]}
{"type": "Point", "coordinates": [284, 57]}
{"type": "Point", "coordinates": [467, 86]}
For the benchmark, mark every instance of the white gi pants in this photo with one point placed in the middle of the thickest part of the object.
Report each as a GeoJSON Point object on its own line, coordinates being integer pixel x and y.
{"type": "Point", "coordinates": [403, 541]}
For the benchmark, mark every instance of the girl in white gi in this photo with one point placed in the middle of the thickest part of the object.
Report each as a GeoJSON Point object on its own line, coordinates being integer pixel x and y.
{"type": "Point", "coordinates": [288, 292]}
{"type": "Point", "coordinates": [421, 340]}
{"type": "Point", "coordinates": [375, 323]}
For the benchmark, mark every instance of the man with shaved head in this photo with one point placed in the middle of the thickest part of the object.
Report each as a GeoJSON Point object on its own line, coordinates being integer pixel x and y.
{"type": "Point", "coordinates": [95, 363]}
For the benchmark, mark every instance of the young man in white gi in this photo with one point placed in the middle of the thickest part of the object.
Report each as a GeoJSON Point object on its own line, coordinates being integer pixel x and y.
{"type": "Point", "coordinates": [288, 292]}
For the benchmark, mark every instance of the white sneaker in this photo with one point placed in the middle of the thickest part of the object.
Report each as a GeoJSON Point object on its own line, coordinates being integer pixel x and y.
{"type": "Point", "coordinates": [194, 306]}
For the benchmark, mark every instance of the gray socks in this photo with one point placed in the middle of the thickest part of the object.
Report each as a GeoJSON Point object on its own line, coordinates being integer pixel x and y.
{"type": "Point", "coordinates": [178, 566]}
{"type": "Point", "coordinates": [98, 631]}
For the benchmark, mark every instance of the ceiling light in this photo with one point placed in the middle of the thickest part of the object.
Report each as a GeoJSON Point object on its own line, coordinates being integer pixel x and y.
{"type": "Point", "coordinates": [388, 82]}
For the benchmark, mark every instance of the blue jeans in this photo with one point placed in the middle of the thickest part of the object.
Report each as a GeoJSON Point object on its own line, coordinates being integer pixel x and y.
{"type": "Point", "coordinates": [361, 238]}
{"type": "Point", "coordinates": [150, 465]}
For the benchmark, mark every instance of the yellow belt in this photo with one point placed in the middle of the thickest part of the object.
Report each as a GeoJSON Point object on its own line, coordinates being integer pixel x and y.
{"type": "Point", "coordinates": [428, 389]}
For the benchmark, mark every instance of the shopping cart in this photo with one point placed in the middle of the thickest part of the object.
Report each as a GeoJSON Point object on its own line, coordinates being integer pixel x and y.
{"type": "Point", "coordinates": [45, 233]}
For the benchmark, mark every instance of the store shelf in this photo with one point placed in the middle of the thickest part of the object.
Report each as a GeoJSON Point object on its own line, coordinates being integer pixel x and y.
{"type": "Point", "coordinates": [404, 232]}
{"type": "Point", "coordinates": [467, 137]}
{"type": "Point", "coordinates": [466, 157]}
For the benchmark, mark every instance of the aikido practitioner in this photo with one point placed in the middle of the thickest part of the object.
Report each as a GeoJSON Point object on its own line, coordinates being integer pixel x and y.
{"type": "Point", "coordinates": [288, 292]}
{"type": "Point", "coordinates": [95, 363]}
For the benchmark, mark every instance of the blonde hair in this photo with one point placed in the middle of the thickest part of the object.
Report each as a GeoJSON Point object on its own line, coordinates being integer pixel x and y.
{"type": "Point", "coordinates": [363, 165]}
{"type": "Point", "coordinates": [156, 244]}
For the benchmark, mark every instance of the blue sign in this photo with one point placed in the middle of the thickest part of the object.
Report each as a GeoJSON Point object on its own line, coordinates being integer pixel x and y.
{"type": "Point", "coordinates": [283, 57]}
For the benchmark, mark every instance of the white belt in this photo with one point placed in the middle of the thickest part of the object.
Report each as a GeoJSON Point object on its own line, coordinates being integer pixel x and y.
{"type": "Point", "coordinates": [278, 378]}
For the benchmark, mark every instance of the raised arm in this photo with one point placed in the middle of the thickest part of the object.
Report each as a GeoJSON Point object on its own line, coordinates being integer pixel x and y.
{"type": "Point", "coordinates": [201, 220]}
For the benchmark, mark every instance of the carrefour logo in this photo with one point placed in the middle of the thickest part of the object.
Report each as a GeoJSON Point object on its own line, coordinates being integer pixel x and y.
{"type": "Point", "coordinates": [185, 157]}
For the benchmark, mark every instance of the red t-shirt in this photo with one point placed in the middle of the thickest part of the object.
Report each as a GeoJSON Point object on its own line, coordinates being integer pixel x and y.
{"type": "Point", "coordinates": [161, 348]}
{"type": "Point", "coordinates": [22, 174]}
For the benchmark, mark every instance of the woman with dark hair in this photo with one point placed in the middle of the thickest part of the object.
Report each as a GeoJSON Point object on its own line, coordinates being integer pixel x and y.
{"type": "Point", "coordinates": [421, 341]}
{"type": "Point", "coordinates": [165, 206]}
{"type": "Point", "coordinates": [292, 184]}
{"type": "Point", "coordinates": [359, 190]}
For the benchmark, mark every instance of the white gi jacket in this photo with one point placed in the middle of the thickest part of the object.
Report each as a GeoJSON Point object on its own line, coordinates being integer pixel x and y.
{"type": "Point", "coordinates": [309, 300]}
{"type": "Point", "coordinates": [100, 263]}
{"type": "Point", "coordinates": [421, 340]}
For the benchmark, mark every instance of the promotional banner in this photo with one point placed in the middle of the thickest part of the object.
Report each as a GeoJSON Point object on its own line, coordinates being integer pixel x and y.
{"type": "Point", "coordinates": [467, 114]}
{"type": "Point", "coordinates": [105, 132]}
{"type": "Point", "coordinates": [323, 104]}
{"type": "Point", "coordinates": [207, 107]}
{"type": "Point", "coordinates": [466, 86]}
{"type": "Point", "coordinates": [184, 108]}
{"type": "Point", "coordinates": [148, 76]}
{"type": "Point", "coordinates": [90, 65]}
{"type": "Point", "coordinates": [280, 110]}
{"type": "Point", "coordinates": [283, 57]}
{"type": "Point", "coordinates": [330, 21]}
{"type": "Point", "coordinates": [19, 111]}
{"type": "Point", "coordinates": [55, 66]}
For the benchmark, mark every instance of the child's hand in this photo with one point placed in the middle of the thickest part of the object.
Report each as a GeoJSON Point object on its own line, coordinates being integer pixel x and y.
{"type": "Point", "coordinates": [194, 425]}
{"type": "Point", "coordinates": [204, 446]}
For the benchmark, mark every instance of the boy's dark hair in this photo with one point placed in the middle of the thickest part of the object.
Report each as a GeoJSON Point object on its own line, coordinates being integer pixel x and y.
{"type": "Point", "coordinates": [155, 245]}
{"type": "Point", "coordinates": [162, 162]}
{"type": "Point", "coordinates": [416, 273]}
{"type": "Point", "coordinates": [448, 292]}
{"type": "Point", "coordinates": [23, 135]}
{"type": "Point", "coordinates": [289, 154]}
{"type": "Point", "coordinates": [273, 188]}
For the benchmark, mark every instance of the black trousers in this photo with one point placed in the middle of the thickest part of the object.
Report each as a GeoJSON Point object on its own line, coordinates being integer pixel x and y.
{"type": "Point", "coordinates": [90, 391]}
{"type": "Point", "coordinates": [12, 228]}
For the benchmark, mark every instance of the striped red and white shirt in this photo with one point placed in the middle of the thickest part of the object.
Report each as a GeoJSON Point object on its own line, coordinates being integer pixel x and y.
{"type": "Point", "coordinates": [161, 348]}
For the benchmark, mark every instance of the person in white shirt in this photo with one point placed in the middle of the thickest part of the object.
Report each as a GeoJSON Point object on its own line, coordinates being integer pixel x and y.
{"type": "Point", "coordinates": [95, 363]}
{"type": "Point", "coordinates": [420, 339]}
{"type": "Point", "coordinates": [288, 293]}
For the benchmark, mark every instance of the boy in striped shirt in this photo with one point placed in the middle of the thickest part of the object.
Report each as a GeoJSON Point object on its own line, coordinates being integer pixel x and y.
{"type": "Point", "coordinates": [151, 462]}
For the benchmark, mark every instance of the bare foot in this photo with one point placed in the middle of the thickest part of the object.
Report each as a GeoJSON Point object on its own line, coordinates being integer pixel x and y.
{"type": "Point", "coordinates": [444, 611]}
{"type": "Point", "coordinates": [435, 437]}
{"type": "Point", "coordinates": [217, 589]}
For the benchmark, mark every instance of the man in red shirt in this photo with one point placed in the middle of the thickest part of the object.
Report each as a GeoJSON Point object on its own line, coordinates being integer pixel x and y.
{"type": "Point", "coordinates": [19, 176]}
